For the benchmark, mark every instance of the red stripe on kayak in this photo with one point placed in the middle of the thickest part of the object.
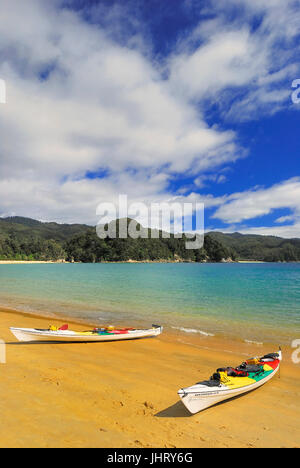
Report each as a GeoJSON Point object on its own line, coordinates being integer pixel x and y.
{"type": "Point", "coordinates": [273, 364]}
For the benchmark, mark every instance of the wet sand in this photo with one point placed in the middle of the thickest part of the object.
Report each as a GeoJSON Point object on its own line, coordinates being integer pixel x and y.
{"type": "Point", "coordinates": [124, 394]}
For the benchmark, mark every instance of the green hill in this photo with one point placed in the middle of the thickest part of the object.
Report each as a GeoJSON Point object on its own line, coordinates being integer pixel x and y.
{"type": "Point", "coordinates": [29, 228]}
{"type": "Point", "coordinates": [260, 248]}
{"type": "Point", "coordinates": [28, 239]}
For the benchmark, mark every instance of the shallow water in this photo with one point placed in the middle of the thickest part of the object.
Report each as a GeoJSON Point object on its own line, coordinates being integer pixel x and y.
{"type": "Point", "coordinates": [255, 302]}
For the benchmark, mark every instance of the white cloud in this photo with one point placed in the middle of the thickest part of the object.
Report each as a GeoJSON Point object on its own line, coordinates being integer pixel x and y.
{"type": "Point", "coordinates": [227, 58]}
{"type": "Point", "coordinates": [202, 180]}
{"type": "Point", "coordinates": [103, 105]}
{"type": "Point", "coordinates": [260, 201]}
{"type": "Point", "coordinates": [76, 200]}
{"type": "Point", "coordinates": [284, 219]}
{"type": "Point", "coordinates": [78, 101]}
{"type": "Point", "coordinates": [247, 71]}
{"type": "Point", "coordinates": [291, 231]}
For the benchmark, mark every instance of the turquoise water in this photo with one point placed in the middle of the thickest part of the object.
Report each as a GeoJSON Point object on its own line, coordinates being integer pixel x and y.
{"type": "Point", "coordinates": [259, 302]}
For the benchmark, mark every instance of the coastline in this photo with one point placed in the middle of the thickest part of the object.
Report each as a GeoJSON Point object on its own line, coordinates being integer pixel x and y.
{"type": "Point", "coordinates": [31, 262]}
{"type": "Point", "coordinates": [178, 261]}
{"type": "Point", "coordinates": [124, 394]}
{"type": "Point", "coordinates": [252, 261]}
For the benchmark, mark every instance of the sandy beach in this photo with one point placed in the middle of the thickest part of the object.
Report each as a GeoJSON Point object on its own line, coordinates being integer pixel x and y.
{"type": "Point", "coordinates": [27, 262]}
{"type": "Point", "coordinates": [124, 394]}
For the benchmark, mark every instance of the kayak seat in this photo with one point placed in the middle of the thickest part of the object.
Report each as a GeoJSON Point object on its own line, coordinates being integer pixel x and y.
{"type": "Point", "coordinates": [250, 368]}
{"type": "Point", "coordinates": [231, 372]}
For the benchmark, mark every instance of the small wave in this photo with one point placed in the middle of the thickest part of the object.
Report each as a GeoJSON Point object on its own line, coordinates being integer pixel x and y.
{"type": "Point", "coordinates": [254, 342]}
{"type": "Point", "coordinates": [193, 330]}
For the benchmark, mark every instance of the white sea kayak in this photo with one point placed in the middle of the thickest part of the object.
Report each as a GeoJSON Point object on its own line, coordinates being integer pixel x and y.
{"type": "Point", "coordinates": [228, 383]}
{"type": "Point", "coordinates": [34, 334]}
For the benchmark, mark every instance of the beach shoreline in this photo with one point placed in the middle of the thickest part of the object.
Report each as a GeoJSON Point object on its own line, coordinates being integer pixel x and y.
{"type": "Point", "coordinates": [124, 394]}
{"type": "Point", "coordinates": [31, 262]}
{"type": "Point", "coordinates": [185, 333]}
{"type": "Point", "coordinates": [62, 262]}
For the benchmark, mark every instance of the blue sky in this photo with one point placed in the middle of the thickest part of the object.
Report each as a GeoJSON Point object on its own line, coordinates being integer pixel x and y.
{"type": "Point", "coordinates": [182, 100]}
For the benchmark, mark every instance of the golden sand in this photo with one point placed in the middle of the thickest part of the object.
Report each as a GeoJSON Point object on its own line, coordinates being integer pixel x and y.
{"type": "Point", "coordinates": [124, 394]}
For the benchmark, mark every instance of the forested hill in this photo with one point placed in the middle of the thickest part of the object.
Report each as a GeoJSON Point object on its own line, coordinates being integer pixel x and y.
{"type": "Point", "coordinates": [28, 239]}
{"type": "Point", "coordinates": [27, 228]}
{"type": "Point", "coordinates": [260, 248]}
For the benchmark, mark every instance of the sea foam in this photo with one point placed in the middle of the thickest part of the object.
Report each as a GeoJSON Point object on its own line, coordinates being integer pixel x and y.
{"type": "Point", "coordinates": [193, 330]}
